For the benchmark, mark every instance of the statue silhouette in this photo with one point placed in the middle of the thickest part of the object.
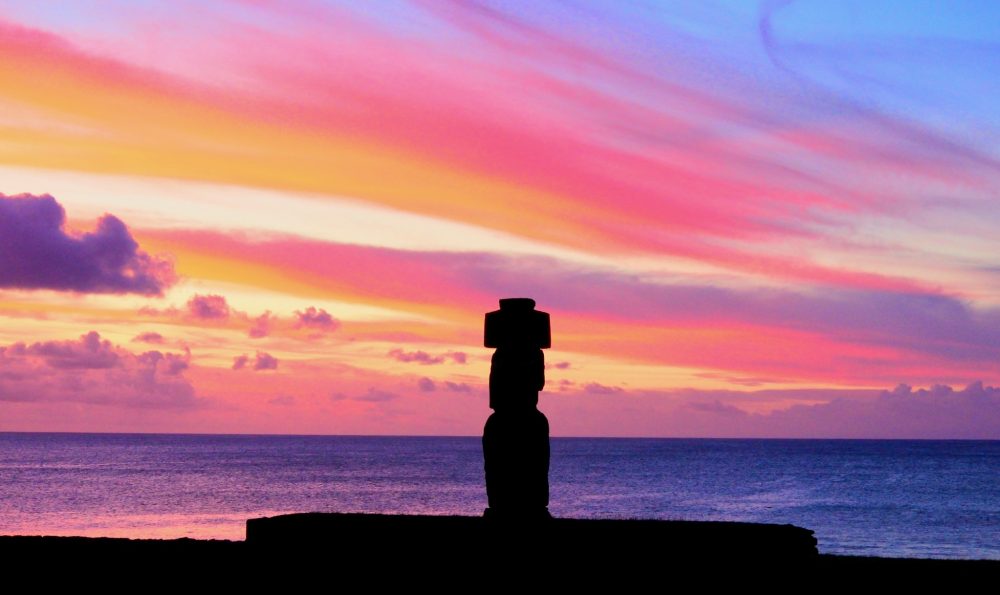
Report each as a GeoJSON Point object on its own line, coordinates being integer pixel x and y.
{"type": "Point", "coordinates": [516, 436]}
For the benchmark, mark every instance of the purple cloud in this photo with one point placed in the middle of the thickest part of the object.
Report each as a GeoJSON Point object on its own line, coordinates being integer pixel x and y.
{"type": "Point", "coordinates": [265, 361]}
{"type": "Point", "coordinates": [426, 359]}
{"type": "Point", "coordinates": [261, 361]}
{"type": "Point", "coordinates": [208, 307]}
{"type": "Point", "coordinates": [315, 318]}
{"type": "Point", "coordinates": [282, 400]}
{"type": "Point", "coordinates": [427, 385]}
{"type": "Point", "coordinates": [597, 388]}
{"type": "Point", "coordinates": [749, 381]}
{"type": "Point", "coordinates": [36, 252]}
{"type": "Point", "coordinates": [419, 357]}
{"type": "Point", "coordinates": [150, 337]}
{"type": "Point", "coordinates": [561, 365]}
{"type": "Point", "coordinates": [718, 407]}
{"type": "Point", "coordinates": [375, 395]}
{"type": "Point", "coordinates": [92, 370]}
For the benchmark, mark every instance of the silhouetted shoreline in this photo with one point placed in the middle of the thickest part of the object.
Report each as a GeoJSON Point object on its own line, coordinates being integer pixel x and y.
{"type": "Point", "coordinates": [461, 545]}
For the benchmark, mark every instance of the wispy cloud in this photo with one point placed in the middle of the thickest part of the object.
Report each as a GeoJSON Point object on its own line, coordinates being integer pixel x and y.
{"type": "Point", "coordinates": [842, 334]}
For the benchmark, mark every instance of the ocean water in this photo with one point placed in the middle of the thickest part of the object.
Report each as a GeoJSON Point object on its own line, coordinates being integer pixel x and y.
{"type": "Point", "coordinates": [862, 497]}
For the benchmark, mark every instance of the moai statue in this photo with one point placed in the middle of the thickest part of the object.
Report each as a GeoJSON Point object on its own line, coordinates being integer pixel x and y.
{"type": "Point", "coordinates": [516, 436]}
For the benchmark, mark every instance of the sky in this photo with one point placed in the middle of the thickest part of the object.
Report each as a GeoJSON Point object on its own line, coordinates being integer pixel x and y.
{"type": "Point", "coordinates": [771, 219]}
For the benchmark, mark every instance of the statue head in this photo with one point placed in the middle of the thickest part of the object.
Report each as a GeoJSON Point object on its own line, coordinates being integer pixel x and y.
{"type": "Point", "coordinates": [517, 325]}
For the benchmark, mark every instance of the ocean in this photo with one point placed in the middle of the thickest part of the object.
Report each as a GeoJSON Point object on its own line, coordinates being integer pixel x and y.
{"type": "Point", "coordinates": [896, 498]}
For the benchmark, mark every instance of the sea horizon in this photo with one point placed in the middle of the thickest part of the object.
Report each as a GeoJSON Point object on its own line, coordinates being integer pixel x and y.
{"type": "Point", "coordinates": [872, 497]}
{"type": "Point", "coordinates": [553, 437]}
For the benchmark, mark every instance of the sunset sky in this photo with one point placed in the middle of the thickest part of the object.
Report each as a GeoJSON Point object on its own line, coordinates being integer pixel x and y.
{"type": "Point", "coordinates": [773, 219]}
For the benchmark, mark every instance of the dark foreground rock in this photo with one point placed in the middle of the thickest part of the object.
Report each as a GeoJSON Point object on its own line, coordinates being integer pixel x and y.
{"type": "Point", "coordinates": [576, 539]}
{"type": "Point", "coordinates": [338, 550]}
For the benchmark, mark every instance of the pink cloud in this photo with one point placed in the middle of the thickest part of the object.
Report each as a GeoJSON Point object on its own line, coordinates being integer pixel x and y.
{"type": "Point", "coordinates": [92, 370]}
{"type": "Point", "coordinates": [89, 352]}
{"type": "Point", "coordinates": [261, 325]}
{"type": "Point", "coordinates": [215, 310]}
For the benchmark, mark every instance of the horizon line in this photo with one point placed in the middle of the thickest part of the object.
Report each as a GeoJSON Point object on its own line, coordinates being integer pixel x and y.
{"type": "Point", "coordinates": [278, 435]}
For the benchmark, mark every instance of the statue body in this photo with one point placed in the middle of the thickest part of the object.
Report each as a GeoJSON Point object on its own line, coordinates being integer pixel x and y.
{"type": "Point", "coordinates": [516, 436]}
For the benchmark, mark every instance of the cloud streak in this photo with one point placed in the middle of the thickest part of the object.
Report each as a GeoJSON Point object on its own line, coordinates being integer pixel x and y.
{"type": "Point", "coordinates": [594, 140]}
{"type": "Point", "coordinates": [861, 336]}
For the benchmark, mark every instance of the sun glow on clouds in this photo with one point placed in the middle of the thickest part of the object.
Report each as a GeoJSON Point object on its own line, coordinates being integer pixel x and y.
{"type": "Point", "coordinates": [731, 211]}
